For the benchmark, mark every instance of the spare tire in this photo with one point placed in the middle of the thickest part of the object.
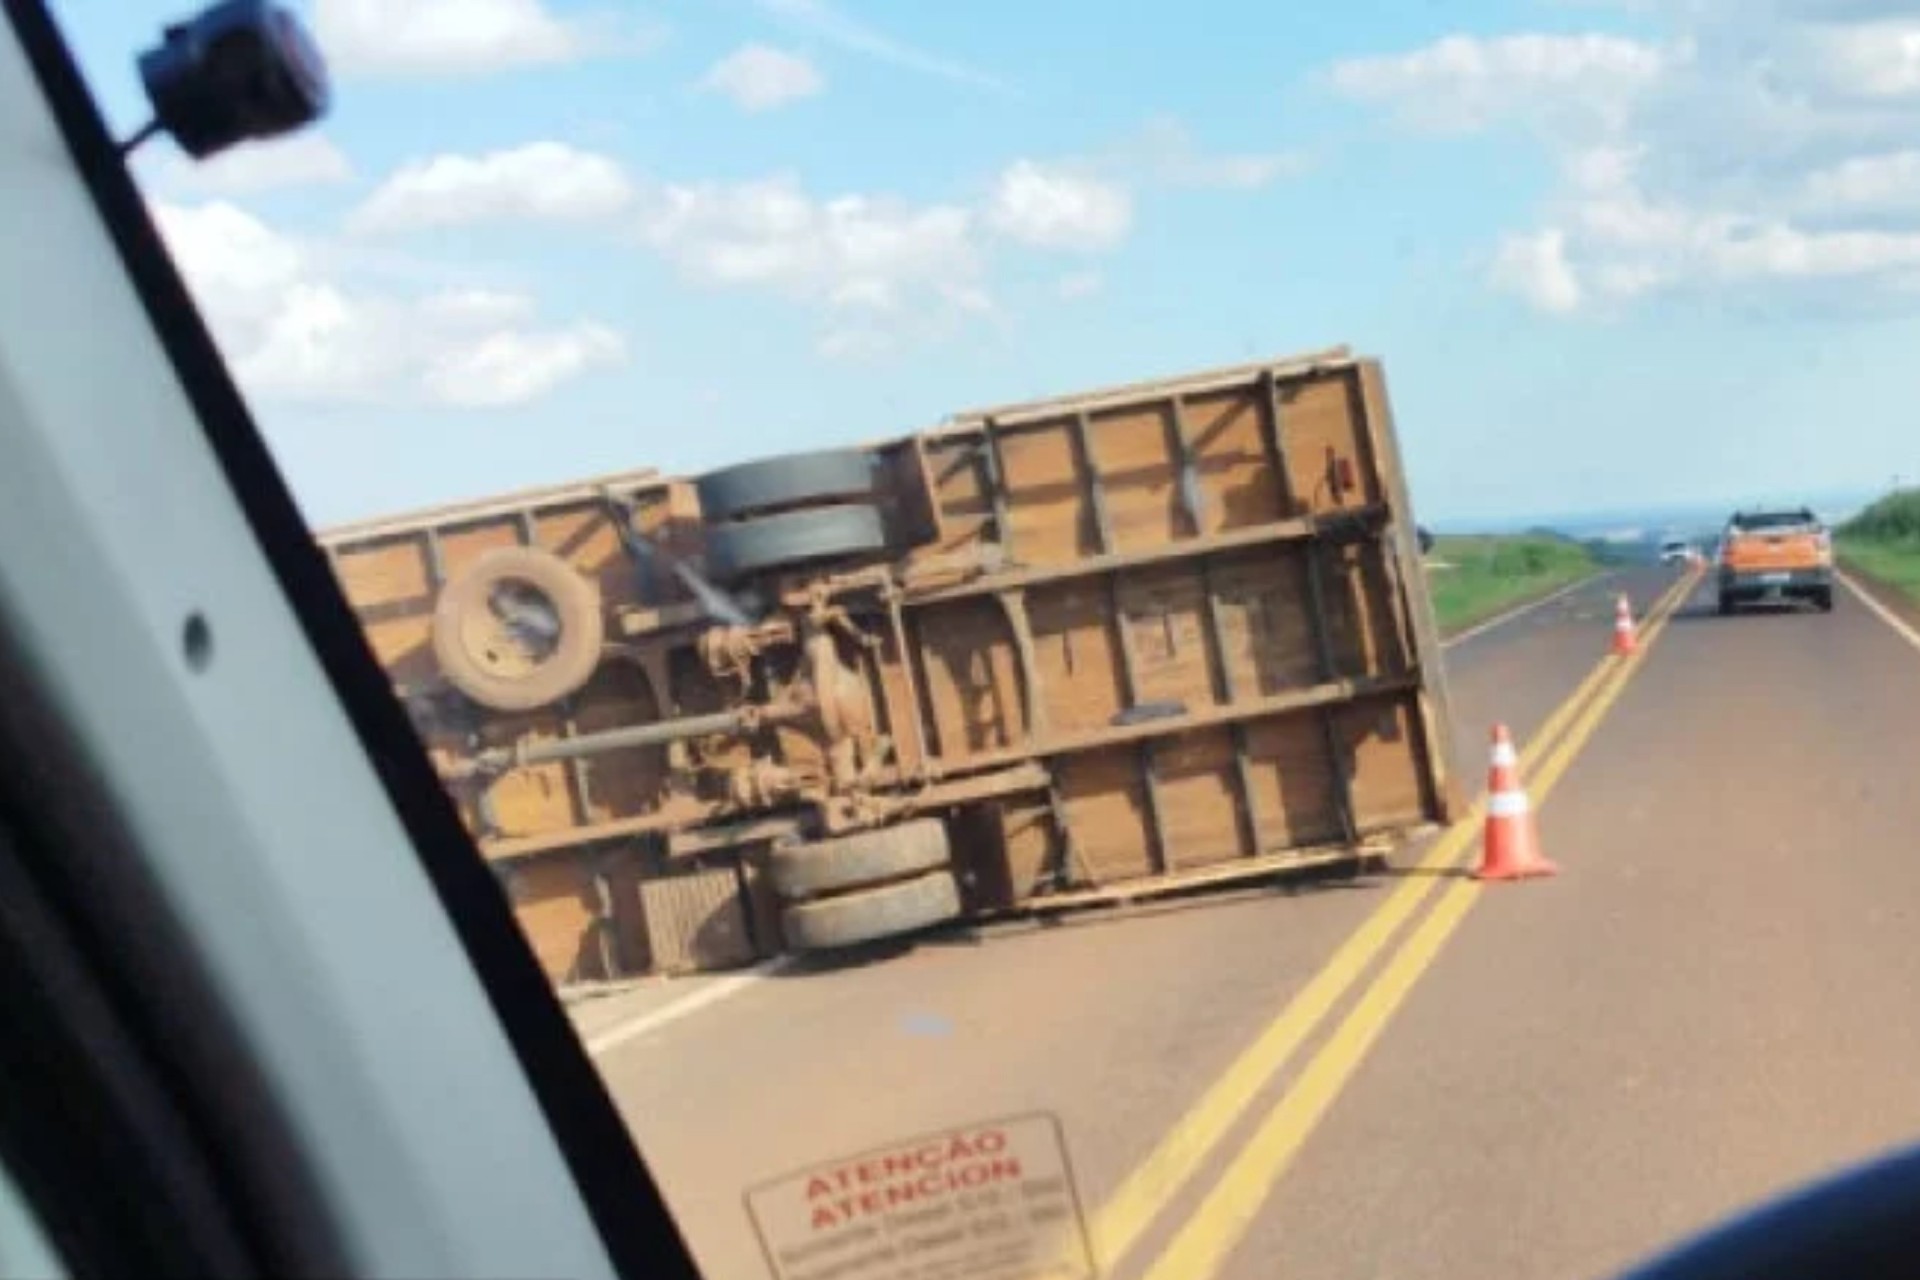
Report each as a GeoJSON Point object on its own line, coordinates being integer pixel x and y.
{"type": "Point", "coordinates": [859, 857]}
{"type": "Point", "coordinates": [770, 484]}
{"type": "Point", "coordinates": [793, 538]}
{"type": "Point", "coordinates": [518, 629]}
{"type": "Point", "coordinates": [867, 915]}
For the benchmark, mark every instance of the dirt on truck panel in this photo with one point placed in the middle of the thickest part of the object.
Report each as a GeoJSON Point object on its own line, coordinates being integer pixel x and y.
{"type": "Point", "coordinates": [1158, 635]}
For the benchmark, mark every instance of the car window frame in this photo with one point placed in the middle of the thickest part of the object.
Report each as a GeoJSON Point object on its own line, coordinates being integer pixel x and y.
{"type": "Point", "coordinates": [619, 1193]}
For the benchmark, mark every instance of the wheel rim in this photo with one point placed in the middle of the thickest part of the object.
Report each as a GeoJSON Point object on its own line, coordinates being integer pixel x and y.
{"type": "Point", "coordinates": [516, 632]}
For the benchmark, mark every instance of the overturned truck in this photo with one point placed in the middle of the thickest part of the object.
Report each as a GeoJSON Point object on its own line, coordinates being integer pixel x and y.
{"type": "Point", "coordinates": [1094, 647]}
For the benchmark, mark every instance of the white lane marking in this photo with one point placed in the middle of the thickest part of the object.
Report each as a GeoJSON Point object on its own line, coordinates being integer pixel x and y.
{"type": "Point", "coordinates": [1522, 610]}
{"type": "Point", "coordinates": [1887, 615]}
{"type": "Point", "coordinates": [692, 1002]}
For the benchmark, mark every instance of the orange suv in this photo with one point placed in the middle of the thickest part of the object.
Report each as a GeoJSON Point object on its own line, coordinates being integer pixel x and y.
{"type": "Point", "coordinates": [1776, 556]}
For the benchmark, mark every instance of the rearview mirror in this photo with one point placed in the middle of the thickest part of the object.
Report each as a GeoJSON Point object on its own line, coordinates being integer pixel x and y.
{"type": "Point", "coordinates": [242, 71]}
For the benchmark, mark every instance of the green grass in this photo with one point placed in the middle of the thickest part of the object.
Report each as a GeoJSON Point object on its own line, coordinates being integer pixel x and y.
{"type": "Point", "coordinates": [1883, 542]}
{"type": "Point", "coordinates": [1488, 574]}
{"type": "Point", "coordinates": [1895, 563]}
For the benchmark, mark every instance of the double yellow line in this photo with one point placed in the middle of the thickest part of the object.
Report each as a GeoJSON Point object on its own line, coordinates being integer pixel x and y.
{"type": "Point", "coordinates": [1202, 1245]}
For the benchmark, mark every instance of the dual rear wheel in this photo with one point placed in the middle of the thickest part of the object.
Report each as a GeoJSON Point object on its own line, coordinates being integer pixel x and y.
{"type": "Point", "coordinates": [787, 513]}
{"type": "Point", "coordinates": [866, 885]}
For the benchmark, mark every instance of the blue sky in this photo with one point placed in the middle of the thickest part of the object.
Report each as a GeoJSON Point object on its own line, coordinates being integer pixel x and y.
{"type": "Point", "coordinates": [1613, 255]}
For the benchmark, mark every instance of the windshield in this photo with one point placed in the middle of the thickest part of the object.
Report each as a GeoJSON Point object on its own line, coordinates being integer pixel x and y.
{"type": "Point", "coordinates": [1773, 521]}
{"type": "Point", "coordinates": [1060, 625]}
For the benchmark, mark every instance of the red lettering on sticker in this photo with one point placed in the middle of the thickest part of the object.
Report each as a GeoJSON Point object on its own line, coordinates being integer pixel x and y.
{"type": "Point", "coordinates": [909, 1176]}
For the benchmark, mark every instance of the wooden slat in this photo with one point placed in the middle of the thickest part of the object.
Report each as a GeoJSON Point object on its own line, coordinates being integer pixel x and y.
{"type": "Point", "coordinates": [1272, 430]}
{"type": "Point", "coordinates": [483, 509]}
{"type": "Point", "coordinates": [1071, 866]}
{"type": "Point", "coordinates": [1014, 605]}
{"type": "Point", "coordinates": [1434, 702]}
{"type": "Point", "coordinates": [996, 465]}
{"type": "Point", "coordinates": [1226, 692]}
{"type": "Point", "coordinates": [1252, 829]}
{"type": "Point", "coordinates": [1128, 393]}
{"type": "Point", "coordinates": [1240, 870]}
{"type": "Point", "coordinates": [906, 657]}
{"type": "Point", "coordinates": [1246, 709]}
{"type": "Point", "coordinates": [1187, 479]}
{"type": "Point", "coordinates": [1096, 487]}
{"type": "Point", "coordinates": [1323, 649]}
{"type": "Point", "coordinates": [1158, 848]}
{"type": "Point", "coordinates": [1355, 521]}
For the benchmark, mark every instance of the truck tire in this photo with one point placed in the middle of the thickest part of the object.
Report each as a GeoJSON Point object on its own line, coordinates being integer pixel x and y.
{"type": "Point", "coordinates": [1824, 601]}
{"type": "Point", "coordinates": [858, 858]}
{"type": "Point", "coordinates": [829, 475]}
{"type": "Point", "coordinates": [793, 538]}
{"type": "Point", "coordinates": [516, 663]}
{"type": "Point", "coordinates": [1726, 605]}
{"type": "Point", "coordinates": [867, 915]}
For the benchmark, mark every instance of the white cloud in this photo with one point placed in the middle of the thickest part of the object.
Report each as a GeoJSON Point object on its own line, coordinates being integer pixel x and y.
{"type": "Point", "coordinates": [829, 23]}
{"type": "Point", "coordinates": [294, 328]}
{"type": "Point", "coordinates": [854, 342]}
{"type": "Point", "coordinates": [1055, 208]}
{"type": "Point", "coordinates": [1875, 59]}
{"type": "Point", "coordinates": [478, 306]}
{"type": "Point", "coordinates": [1628, 244]}
{"type": "Point", "coordinates": [877, 272]}
{"type": "Point", "coordinates": [542, 181]}
{"type": "Point", "coordinates": [1464, 82]}
{"type": "Point", "coordinates": [1079, 284]}
{"type": "Point", "coordinates": [463, 37]}
{"type": "Point", "coordinates": [759, 78]}
{"type": "Point", "coordinates": [1889, 180]}
{"type": "Point", "coordinates": [1165, 152]}
{"type": "Point", "coordinates": [852, 251]}
{"type": "Point", "coordinates": [511, 366]}
{"type": "Point", "coordinates": [1756, 146]}
{"type": "Point", "coordinates": [300, 160]}
{"type": "Point", "coordinates": [1536, 268]}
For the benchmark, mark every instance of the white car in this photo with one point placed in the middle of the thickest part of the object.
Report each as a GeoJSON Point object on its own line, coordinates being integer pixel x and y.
{"type": "Point", "coordinates": [1676, 551]}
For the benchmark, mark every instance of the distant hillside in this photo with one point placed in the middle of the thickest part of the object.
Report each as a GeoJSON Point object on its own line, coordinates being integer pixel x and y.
{"type": "Point", "coordinates": [1894, 518]}
{"type": "Point", "coordinates": [1883, 541]}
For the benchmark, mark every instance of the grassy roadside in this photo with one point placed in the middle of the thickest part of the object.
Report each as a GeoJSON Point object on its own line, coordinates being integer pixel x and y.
{"type": "Point", "coordinates": [1474, 578]}
{"type": "Point", "coordinates": [1893, 564]}
{"type": "Point", "coordinates": [1883, 542]}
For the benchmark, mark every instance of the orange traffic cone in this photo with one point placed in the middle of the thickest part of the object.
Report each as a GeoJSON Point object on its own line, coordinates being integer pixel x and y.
{"type": "Point", "coordinates": [1624, 640]}
{"type": "Point", "coordinates": [1510, 849]}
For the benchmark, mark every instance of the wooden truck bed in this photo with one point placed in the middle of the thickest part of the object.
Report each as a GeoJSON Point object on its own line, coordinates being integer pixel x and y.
{"type": "Point", "coordinates": [1156, 635]}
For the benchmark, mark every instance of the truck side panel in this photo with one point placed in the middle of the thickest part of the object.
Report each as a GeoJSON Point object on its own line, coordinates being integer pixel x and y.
{"type": "Point", "coordinates": [1182, 612]}
{"type": "Point", "coordinates": [1081, 503]}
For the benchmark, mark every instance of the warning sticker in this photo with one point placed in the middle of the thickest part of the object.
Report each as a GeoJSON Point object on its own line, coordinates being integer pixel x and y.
{"type": "Point", "coordinates": [989, 1201]}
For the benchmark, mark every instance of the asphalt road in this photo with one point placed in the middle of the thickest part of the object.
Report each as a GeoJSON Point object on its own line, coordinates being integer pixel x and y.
{"type": "Point", "coordinates": [1547, 1079]}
